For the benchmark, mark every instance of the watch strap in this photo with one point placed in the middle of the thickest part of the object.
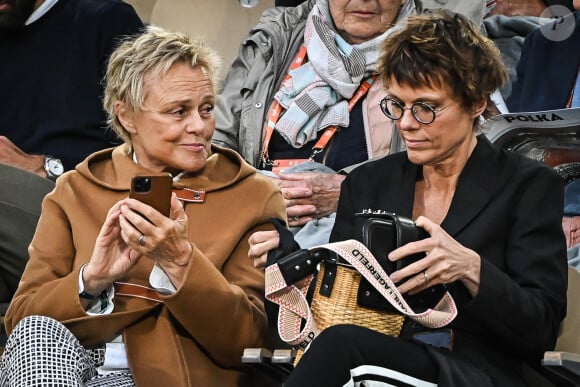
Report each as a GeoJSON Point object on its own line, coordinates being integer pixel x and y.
{"type": "Point", "coordinates": [52, 176]}
{"type": "Point", "coordinates": [84, 294]}
{"type": "Point", "coordinates": [88, 296]}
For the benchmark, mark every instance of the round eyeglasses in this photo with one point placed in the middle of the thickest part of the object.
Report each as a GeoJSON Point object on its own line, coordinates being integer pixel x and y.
{"type": "Point", "coordinates": [423, 112]}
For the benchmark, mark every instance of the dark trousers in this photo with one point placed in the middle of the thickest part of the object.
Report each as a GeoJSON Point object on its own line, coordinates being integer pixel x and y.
{"type": "Point", "coordinates": [347, 354]}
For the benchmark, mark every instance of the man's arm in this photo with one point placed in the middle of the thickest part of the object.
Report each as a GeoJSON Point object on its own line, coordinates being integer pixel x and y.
{"type": "Point", "coordinates": [12, 155]}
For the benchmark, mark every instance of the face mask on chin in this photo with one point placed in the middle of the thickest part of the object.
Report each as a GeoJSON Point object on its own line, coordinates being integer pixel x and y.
{"type": "Point", "coordinates": [14, 13]}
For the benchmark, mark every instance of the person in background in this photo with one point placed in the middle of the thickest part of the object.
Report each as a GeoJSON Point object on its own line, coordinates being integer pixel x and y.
{"type": "Point", "coordinates": [54, 58]}
{"type": "Point", "coordinates": [301, 72]}
{"type": "Point", "coordinates": [116, 293]}
{"type": "Point", "coordinates": [548, 69]}
{"type": "Point", "coordinates": [524, 7]}
{"type": "Point", "coordinates": [504, 265]}
{"type": "Point", "coordinates": [508, 23]}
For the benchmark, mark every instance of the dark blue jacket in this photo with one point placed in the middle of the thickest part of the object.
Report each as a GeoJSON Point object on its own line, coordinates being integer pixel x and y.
{"type": "Point", "coordinates": [546, 71]}
{"type": "Point", "coordinates": [51, 78]}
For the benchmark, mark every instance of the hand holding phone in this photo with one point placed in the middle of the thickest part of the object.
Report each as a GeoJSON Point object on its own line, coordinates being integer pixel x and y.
{"type": "Point", "coordinates": [154, 190]}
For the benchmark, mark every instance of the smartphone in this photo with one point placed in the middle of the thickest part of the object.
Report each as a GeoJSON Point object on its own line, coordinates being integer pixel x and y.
{"type": "Point", "coordinates": [154, 190]}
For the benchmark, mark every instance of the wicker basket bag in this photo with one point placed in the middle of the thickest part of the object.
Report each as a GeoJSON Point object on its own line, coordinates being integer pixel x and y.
{"type": "Point", "coordinates": [351, 287]}
{"type": "Point", "coordinates": [342, 306]}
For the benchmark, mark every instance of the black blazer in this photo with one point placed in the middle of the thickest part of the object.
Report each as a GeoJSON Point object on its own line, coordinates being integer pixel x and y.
{"type": "Point", "coordinates": [546, 72]}
{"type": "Point", "coordinates": [508, 209]}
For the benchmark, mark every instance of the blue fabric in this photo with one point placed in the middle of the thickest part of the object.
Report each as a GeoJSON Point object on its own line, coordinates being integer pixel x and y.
{"type": "Point", "coordinates": [576, 98]}
{"type": "Point", "coordinates": [546, 72]}
{"type": "Point", "coordinates": [574, 256]}
{"type": "Point", "coordinates": [572, 198]}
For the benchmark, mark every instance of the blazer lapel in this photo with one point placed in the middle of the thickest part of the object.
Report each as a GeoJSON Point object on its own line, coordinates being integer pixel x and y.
{"type": "Point", "coordinates": [401, 201]}
{"type": "Point", "coordinates": [471, 195]}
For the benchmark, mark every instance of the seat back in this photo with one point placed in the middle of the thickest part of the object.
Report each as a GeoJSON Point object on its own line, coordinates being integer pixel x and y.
{"type": "Point", "coordinates": [553, 137]}
{"type": "Point", "coordinates": [569, 338]}
{"type": "Point", "coordinates": [21, 196]}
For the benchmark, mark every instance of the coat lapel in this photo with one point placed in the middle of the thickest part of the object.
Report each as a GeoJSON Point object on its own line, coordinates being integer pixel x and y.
{"type": "Point", "coordinates": [473, 192]}
{"type": "Point", "coordinates": [403, 201]}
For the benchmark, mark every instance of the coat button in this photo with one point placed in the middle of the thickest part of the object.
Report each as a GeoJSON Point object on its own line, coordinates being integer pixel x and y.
{"type": "Point", "coordinates": [259, 105]}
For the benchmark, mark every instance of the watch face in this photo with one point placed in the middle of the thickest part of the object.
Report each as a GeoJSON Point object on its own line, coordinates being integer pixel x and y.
{"type": "Point", "coordinates": [55, 166]}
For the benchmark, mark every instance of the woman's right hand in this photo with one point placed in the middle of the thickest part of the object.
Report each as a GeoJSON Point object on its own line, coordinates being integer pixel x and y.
{"type": "Point", "coordinates": [446, 261]}
{"type": "Point", "coordinates": [260, 243]}
{"type": "Point", "coordinates": [111, 258]}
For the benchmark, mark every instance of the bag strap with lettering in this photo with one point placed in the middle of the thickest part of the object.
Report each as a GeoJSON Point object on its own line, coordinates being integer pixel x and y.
{"type": "Point", "coordinates": [294, 306]}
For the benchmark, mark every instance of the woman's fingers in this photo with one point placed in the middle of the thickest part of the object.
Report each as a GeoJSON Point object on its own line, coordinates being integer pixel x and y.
{"type": "Point", "coordinates": [261, 242]}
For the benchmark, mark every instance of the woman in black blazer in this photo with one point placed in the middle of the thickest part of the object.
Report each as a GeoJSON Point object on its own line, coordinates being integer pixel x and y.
{"type": "Point", "coordinates": [494, 220]}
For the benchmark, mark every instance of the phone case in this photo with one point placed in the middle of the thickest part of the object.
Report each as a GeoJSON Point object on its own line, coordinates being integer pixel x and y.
{"type": "Point", "coordinates": [154, 190]}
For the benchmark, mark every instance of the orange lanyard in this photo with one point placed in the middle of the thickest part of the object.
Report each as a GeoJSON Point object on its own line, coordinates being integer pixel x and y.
{"type": "Point", "coordinates": [276, 110]}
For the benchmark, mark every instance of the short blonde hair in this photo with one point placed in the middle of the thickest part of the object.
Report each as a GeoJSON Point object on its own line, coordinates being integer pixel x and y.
{"type": "Point", "coordinates": [149, 56]}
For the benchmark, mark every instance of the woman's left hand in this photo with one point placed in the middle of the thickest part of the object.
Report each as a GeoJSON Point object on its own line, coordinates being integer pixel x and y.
{"type": "Point", "coordinates": [446, 261]}
{"type": "Point", "coordinates": [261, 242]}
{"type": "Point", "coordinates": [163, 239]}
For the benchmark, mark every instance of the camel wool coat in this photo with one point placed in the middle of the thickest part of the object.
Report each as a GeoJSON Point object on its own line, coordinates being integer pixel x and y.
{"type": "Point", "coordinates": [194, 337]}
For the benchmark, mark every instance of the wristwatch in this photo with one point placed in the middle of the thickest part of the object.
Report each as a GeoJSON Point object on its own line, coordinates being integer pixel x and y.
{"type": "Point", "coordinates": [53, 167]}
